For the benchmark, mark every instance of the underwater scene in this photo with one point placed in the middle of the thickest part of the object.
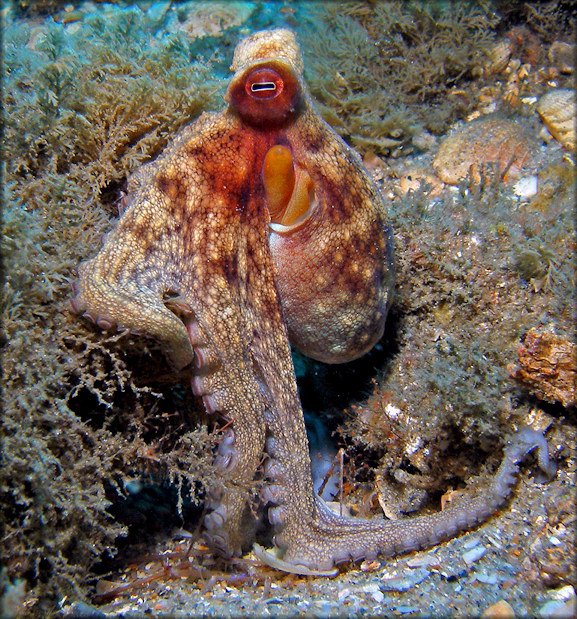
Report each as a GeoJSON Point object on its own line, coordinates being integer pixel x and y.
{"type": "Point", "coordinates": [288, 308]}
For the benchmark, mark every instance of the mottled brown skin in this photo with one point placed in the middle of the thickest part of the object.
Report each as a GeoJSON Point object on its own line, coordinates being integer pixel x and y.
{"type": "Point", "coordinates": [195, 262]}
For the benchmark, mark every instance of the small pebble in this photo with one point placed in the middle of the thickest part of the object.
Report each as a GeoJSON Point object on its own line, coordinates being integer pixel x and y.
{"type": "Point", "coordinates": [488, 579]}
{"type": "Point", "coordinates": [562, 604]}
{"type": "Point", "coordinates": [474, 554]}
{"type": "Point", "coordinates": [454, 576]}
{"type": "Point", "coordinates": [493, 540]}
{"type": "Point", "coordinates": [343, 593]}
{"type": "Point", "coordinates": [551, 609]}
{"type": "Point", "coordinates": [424, 561]}
{"type": "Point", "coordinates": [157, 12]}
{"type": "Point", "coordinates": [563, 593]}
{"type": "Point", "coordinates": [370, 566]}
{"type": "Point", "coordinates": [471, 542]}
{"type": "Point", "coordinates": [405, 581]}
{"type": "Point", "coordinates": [134, 486]}
{"type": "Point", "coordinates": [500, 610]}
{"type": "Point", "coordinates": [567, 611]}
{"type": "Point", "coordinates": [404, 610]}
{"type": "Point", "coordinates": [324, 607]}
{"type": "Point", "coordinates": [81, 609]}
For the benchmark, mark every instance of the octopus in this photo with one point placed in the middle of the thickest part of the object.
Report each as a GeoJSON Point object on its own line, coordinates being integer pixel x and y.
{"type": "Point", "coordinates": [257, 228]}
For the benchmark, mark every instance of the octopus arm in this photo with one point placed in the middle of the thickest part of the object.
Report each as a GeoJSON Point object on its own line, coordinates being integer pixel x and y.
{"type": "Point", "coordinates": [125, 286]}
{"type": "Point", "coordinates": [329, 539]}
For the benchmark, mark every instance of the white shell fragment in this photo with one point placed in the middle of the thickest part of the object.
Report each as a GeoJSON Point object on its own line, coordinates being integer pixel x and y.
{"type": "Point", "coordinates": [526, 187]}
{"type": "Point", "coordinates": [474, 554]}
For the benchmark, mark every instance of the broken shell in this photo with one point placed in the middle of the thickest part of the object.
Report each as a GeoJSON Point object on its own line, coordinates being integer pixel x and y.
{"type": "Point", "coordinates": [562, 56]}
{"type": "Point", "coordinates": [498, 57]}
{"type": "Point", "coordinates": [526, 187]}
{"type": "Point", "coordinates": [506, 143]}
{"type": "Point", "coordinates": [558, 109]}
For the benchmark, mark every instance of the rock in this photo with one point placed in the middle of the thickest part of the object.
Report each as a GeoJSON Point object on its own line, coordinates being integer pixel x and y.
{"type": "Point", "coordinates": [548, 367]}
{"type": "Point", "coordinates": [562, 604]}
{"type": "Point", "coordinates": [487, 579]}
{"type": "Point", "coordinates": [474, 554]}
{"type": "Point", "coordinates": [500, 610]}
{"type": "Point", "coordinates": [404, 581]}
{"type": "Point", "coordinates": [82, 609]}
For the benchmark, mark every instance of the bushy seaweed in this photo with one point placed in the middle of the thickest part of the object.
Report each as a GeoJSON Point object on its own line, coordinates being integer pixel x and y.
{"type": "Point", "coordinates": [383, 71]}
{"type": "Point", "coordinates": [83, 109]}
{"type": "Point", "coordinates": [551, 20]}
{"type": "Point", "coordinates": [476, 270]}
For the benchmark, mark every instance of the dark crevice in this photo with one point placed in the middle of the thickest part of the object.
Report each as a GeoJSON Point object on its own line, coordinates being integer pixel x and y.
{"type": "Point", "coordinates": [324, 386]}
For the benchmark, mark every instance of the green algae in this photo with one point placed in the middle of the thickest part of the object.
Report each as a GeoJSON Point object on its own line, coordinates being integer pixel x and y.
{"type": "Point", "coordinates": [475, 271]}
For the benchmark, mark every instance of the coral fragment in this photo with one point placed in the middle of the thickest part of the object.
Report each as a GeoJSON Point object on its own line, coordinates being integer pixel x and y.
{"type": "Point", "coordinates": [548, 367]}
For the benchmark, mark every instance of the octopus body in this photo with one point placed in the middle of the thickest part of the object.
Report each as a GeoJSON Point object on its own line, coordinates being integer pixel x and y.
{"type": "Point", "coordinates": [258, 226]}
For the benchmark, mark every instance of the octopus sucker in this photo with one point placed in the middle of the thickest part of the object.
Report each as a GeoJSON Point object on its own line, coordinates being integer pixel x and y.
{"type": "Point", "coordinates": [256, 227]}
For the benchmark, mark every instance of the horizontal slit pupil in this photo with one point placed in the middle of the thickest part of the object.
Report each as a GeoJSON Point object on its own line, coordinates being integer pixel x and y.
{"type": "Point", "coordinates": [258, 86]}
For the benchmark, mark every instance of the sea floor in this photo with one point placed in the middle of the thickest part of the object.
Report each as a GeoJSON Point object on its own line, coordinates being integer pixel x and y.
{"type": "Point", "coordinates": [465, 282]}
{"type": "Point", "coordinates": [520, 563]}
{"type": "Point", "coordinates": [520, 557]}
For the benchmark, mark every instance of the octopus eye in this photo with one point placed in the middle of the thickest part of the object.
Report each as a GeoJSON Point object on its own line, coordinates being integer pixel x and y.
{"type": "Point", "coordinates": [264, 84]}
{"type": "Point", "coordinates": [266, 94]}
